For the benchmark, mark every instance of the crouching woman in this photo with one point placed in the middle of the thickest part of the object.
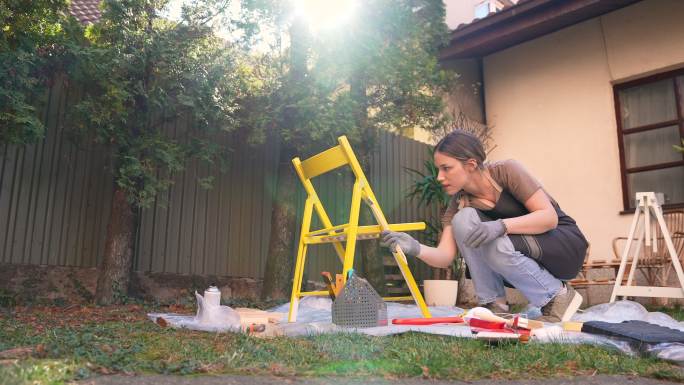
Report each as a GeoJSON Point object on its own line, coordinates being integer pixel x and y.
{"type": "Point", "coordinates": [508, 229]}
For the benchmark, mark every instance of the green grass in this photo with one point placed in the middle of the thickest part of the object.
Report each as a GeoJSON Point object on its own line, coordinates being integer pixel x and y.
{"type": "Point", "coordinates": [676, 311]}
{"type": "Point", "coordinates": [75, 347]}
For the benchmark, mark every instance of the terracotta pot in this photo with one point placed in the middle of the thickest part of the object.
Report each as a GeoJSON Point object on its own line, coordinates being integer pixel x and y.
{"type": "Point", "coordinates": [440, 292]}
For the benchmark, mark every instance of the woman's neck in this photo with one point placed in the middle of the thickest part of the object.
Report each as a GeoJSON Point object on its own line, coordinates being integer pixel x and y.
{"type": "Point", "coordinates": [480, 186]}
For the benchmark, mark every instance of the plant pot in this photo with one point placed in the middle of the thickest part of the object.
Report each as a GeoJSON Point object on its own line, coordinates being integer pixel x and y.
{"type": "Point", "coordinates": [440, 292]}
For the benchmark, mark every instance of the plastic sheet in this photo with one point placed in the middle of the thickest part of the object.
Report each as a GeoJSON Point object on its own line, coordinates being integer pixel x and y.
{"type": "Point", "coordinates": [628, 310]}
{"type": "Point", "coordinates": [314, 318]}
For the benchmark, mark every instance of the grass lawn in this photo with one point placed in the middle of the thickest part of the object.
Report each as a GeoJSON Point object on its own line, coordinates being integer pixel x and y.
{"type": "Point", "coordinates": [53, 345]}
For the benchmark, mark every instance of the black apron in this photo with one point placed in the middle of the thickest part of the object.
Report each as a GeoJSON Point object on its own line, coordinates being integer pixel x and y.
{"type": "Point", "coordinates": [561, 251]}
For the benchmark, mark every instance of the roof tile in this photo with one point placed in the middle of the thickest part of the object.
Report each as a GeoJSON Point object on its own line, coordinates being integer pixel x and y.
{"type": "Point", "coordinates": [86, 11]}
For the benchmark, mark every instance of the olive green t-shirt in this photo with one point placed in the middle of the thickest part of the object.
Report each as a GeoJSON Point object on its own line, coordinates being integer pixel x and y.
{"type": "Point", "coordinates": [510, 175]}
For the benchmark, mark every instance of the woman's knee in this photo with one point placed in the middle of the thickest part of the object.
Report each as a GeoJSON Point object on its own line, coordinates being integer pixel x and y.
{"type": "Point", "coordinates": [501, 254]}
{"type": "Point", "coordinates": [463, 222]}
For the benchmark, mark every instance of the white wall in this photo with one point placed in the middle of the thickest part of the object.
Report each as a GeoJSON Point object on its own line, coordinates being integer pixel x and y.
{"type": "Point", "coordinates": [550, 101]}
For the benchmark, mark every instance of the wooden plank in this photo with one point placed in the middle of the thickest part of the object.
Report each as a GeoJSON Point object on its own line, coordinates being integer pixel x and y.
{"type": "Point", "coordinates": [10, 176]}
{"type": "Point", "coordinates": [233, 232]}
{"type": "Point", "coordinates": [242, 258]}
{"type": "Point", "coordinates": [32, 248]}
{"type": "Point", "coordinates": [222, 229]}
{"type": "Point", "coordinates": [259, 197]}
{"type": "Point", "coordinates": [4, 197]}
{"type": "Point", "coordinates": [199, 231]}
{"type": "Point", "coordinates": [270, 155]}
{"type": "Point", "coordinates": [159, 232]}
{"type": "Point", "coordinates": [86, 213]}
{"type": "Point", "coordinates": [211, 222]}
{"type": "Point", "coordinates": [22, 207]}
{"type": "Point", "coordinates": [15, 205]}
{"type": "Point", "coordinates": [144, 260]}
{"type": "Point", "coordinates": [649, 291]}
{"type": "Point", "coordinates": [188, 218]}
{"type": "Point", "coordinates": [251, 239]}
{"type": "Point", "coordinates": [79, 192]}
{"type": "Point", "coordinates": [50, 247]}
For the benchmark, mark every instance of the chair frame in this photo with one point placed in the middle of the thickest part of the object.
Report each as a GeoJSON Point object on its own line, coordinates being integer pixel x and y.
{"type": "Point", "coordinates": [328, 160]}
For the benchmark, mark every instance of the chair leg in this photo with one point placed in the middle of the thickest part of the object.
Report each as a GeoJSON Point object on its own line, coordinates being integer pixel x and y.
{"type": "Point", "coordinates": [297, 283]}
{"type": "Point", "coordinates": [300, 263]}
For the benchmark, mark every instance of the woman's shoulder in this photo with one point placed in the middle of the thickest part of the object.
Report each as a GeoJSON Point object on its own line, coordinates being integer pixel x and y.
{"type": "Point", "coordinates": [505, 167]}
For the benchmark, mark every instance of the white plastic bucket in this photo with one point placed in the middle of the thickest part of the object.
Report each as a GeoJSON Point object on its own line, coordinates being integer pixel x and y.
{"type": "Point", "coordinates": [440, 292]}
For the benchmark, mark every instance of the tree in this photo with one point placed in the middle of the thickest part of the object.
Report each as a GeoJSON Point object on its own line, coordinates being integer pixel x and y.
{"type": "Point", "coordinates": [381, 72]}
{"type": "Point", "coordinates": [139, 72]}
{"type": "Point", "coordinates": [34, 48]}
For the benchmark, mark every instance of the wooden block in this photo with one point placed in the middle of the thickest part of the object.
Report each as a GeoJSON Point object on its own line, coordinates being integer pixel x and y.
{"type": "Point", "coordinates": [256, 316]}
{"type": "Point", "coordinates": [529, 323]}
{"type": "Point", "coordinates": [572, 326]}
{"type": "Point", "coordinates": [339, 283]}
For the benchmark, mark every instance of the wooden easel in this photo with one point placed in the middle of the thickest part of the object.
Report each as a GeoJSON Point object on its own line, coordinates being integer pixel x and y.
{"type": "Point", "coordinates": [648, 205]}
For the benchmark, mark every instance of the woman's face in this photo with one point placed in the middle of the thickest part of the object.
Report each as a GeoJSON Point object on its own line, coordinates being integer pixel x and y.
{"type": "Point", "coordinates": [453, 173]}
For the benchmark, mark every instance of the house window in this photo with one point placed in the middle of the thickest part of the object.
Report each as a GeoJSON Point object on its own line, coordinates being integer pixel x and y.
{"type": "Point", "coordinates": [650, 121]}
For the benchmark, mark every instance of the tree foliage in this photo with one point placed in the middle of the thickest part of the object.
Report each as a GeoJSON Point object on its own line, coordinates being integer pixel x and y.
{"type": "Point", "coordinates": [389, 49]}
{"type": "Point", "coordinates": [35, 42]}
{"type": "Point", "coordinates": [378, 72]}
{"type": "Point", "coordinates": [143, 72]}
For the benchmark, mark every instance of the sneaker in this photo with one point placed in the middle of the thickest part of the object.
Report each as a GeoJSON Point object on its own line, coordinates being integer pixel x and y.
{"type": "Point", "coordinates": [562, 307]}
{"type": "Point", "coordinates": [497, 308]}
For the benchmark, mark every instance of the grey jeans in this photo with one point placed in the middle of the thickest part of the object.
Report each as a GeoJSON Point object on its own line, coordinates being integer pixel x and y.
{"type": "Point", "coordinates": [491, 263]}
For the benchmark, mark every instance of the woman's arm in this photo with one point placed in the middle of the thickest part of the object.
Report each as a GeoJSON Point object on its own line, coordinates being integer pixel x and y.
{"type": "Point", "coordinates": [542, 216]}
{"type": "Point", "coordinates": [443, 254]}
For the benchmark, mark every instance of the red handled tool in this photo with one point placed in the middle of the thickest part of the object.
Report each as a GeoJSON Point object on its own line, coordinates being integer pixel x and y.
{"type": "Point", "coordinates": [427, 321]}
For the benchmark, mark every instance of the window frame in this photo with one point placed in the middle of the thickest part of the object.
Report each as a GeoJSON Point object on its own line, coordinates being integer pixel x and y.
{"type": "Point", "coordinates": [679, 121]}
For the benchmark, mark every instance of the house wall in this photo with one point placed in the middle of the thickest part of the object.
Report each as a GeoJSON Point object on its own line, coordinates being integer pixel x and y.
{"type": "Point", "coordinates": [466, 97]}
{"type": "Point", "coordinates": [460, 11]}
{"type": "Point", "coordinates": [550, 102]}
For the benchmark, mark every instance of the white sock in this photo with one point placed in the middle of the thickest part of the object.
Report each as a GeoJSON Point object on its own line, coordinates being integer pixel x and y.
{"type": "Point", "coordinates": [563, 290]}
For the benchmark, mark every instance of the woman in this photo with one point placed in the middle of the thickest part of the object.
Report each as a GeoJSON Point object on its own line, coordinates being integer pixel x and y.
{"type": "Point", "coordinates": [507, 228]}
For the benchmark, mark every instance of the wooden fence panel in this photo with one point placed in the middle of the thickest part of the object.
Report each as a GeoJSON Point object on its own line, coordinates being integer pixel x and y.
{"type": "Point", "coordinates": [55, 198]}
{"type": "Point", "coordinates": [54, 195]}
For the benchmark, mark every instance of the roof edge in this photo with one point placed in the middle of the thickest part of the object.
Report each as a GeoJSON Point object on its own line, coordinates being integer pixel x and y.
{"type": "Point", "coordinates": [524, 21]}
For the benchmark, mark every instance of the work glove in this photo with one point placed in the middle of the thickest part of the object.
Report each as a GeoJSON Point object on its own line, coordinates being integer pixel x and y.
{"type": "Point", "coordinates": [485, 232]}
{"type": "Point", "coordinates": [408, 245]}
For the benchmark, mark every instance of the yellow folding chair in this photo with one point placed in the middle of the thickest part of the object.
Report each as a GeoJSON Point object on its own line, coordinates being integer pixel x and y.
{"type": "Point", "coordinates": [348, 233]}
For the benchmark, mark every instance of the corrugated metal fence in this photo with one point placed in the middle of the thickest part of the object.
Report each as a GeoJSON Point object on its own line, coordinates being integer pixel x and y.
{"type": "Point", "coordinates": [55, 199]}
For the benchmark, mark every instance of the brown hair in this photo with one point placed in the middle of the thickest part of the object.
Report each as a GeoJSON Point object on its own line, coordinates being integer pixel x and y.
{"type": "Point", "coordinates": [462, 145]}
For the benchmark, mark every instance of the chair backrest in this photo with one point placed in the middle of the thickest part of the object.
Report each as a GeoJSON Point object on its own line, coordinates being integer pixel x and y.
{"type": "Point", "coordinates": [323, 162]}
{"type": "Point", "coordinates": [674, 220]}
{"type": "Point", "coordinates": [330, 159]}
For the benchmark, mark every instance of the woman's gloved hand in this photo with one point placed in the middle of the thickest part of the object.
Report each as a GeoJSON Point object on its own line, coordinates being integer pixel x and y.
{"type": "Point", "coordinates": [485, 232]}
{"type": "Point", "coordinates": [408, 245]}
